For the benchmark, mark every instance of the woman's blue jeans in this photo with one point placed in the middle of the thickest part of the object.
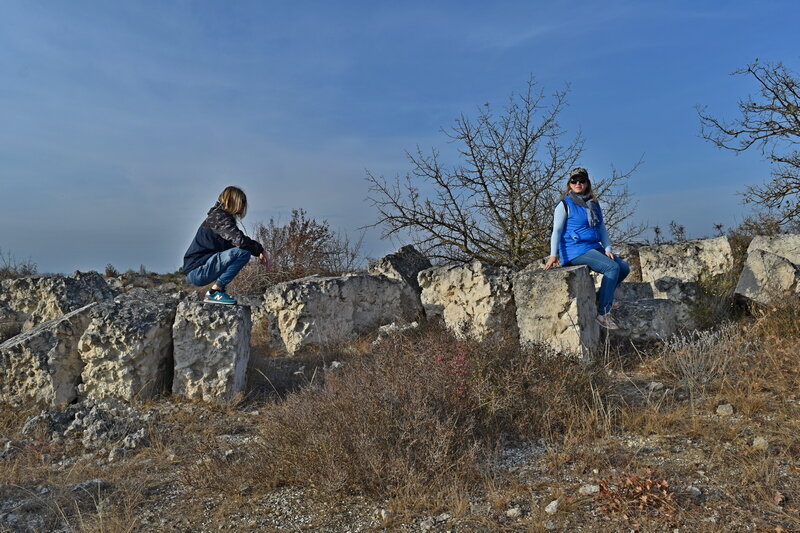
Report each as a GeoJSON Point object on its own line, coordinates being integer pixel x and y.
{"type": "Point", "coordinates": [221, 268]}
{"type": "Point", "coordinates": [613, 271]}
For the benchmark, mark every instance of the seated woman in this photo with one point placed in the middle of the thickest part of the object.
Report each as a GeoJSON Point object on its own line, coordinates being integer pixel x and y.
{"type": "Point", "coordinates": [580, 238]}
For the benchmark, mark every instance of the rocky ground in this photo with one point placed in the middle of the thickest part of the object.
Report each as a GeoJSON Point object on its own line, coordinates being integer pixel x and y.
{"type": "Point", "coordinates": [699, 435]}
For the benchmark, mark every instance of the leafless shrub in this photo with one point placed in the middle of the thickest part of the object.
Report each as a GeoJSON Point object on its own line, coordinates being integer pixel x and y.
{"type": "Point", "coordinates": [11, 267]}
{"type": "Point", "coordinates": [420, 417]}
{"type": "Point", "coordinates": [299, 248]}
{"type": "Point", "coordinates": [699, 361]}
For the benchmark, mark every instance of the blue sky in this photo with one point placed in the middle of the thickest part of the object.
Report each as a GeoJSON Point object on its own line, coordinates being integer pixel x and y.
{"type": "Point", "coordinates": [120, 122]}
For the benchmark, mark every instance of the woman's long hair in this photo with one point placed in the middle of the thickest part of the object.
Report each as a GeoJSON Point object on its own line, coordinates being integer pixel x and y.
{"type": "Point", "coordinates": [234, 201]}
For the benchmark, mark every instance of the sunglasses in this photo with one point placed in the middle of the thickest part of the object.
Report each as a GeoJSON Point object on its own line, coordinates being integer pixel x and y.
{"type": "Point", "coordinates": [578, 180]}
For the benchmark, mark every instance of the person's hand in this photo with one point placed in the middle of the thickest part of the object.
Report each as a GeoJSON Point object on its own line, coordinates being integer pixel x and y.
{"type": "Point", "coordinates": [552, 260]}
{"type": "Point", "coordinates": [264, 258]}
{"type": "Point", "coordinates": [610, 255]}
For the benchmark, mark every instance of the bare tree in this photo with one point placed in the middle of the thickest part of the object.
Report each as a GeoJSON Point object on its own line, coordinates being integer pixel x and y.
{"type": "Point", "coordinates": [497, 204]}
{"type": "Point", "coordinates": [770, 122]}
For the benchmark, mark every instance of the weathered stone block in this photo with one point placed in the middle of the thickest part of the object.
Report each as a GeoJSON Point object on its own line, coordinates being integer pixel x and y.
{"type": "Point", "coordinates": [687, 261]}
{"type": "Point", "coordinates": [684, 294]}
{"type": "Point", "coordinates": [26, 302]}
{"type": "Point", "coordinates": [43, 363]}
{"type": "Point", "coordinates": [473, 300]}
{"type": "Point", "coordinates": [633, 291]}
{"type": "Point", "coordinates": [785, 245]}
{"type": "Point", "coordinates": [316, 310]}
{"type": "Point", "coordinates": [767, 277]}
{"type": "Point", "coordinates": [212, 349]}
{"type": "Point", "coordinates": [404, 265]}
{"type": "Point", "coordinates": [646, 320]}
{"type": "Point", "coordinates": [557, 307]}
{"type": "Point", "coordinates": [127, 347]}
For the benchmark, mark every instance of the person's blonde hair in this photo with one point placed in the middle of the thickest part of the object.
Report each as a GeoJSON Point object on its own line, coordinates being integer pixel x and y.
{"type": "Point", "coordinates": [234, 201]}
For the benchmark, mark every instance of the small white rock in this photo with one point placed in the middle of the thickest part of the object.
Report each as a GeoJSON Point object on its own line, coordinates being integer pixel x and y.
{"type": "Point", "coordinates": [552, 507]}
{"type": "Point", "coordinates": [725, 409]}
{"type": "Point", "coordinates": [760, 443]}
{"type": "Point", "coordinates": [654, 386]}
{"type": "Point", "coordinates": [444, 517]}
{"type": "Point", "coordinates": [427, 525]}
{"type": "Point", "coordinates": [514, 512]}
{"type": "Point", "coordinates": [587, 489]}
{"type": "Point", "coordinates": [694, 492]}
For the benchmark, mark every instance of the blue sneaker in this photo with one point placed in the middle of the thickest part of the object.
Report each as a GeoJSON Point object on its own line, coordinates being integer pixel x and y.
{"type": "Point", "coordinates": [219, 297]}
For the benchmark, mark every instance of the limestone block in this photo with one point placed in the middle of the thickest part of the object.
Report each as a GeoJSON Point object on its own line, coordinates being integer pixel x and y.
{"type": "Point", "coordinates": [631, 291]}
{"type": "Point", "coordinates": [473, 300]}
{"type": "Point", "coordinates": [404, 265]}
{"type": "Point", "coordinates": [684, 294]}
{"type": "Point", "coordinates": [127, 347]}
{"type": "Point", "coordinates": [767, 277]}
{"type": "Point", "coordinates": [646, 320]}
{"type": "Point", "coordinates": [687, 261]}
{"type": "Point", "coordinates": [43, 363]}
{"type": "Point", "coordinates": [212, 349]}
{"type": "Point", "coordinates": [785, 245]}
{"type": "Point", "coordinates": [313, 311]}
{"type": "Point", "coordinates": [557, 307]}
{"type": "Point", "coordinates": [26, 302]}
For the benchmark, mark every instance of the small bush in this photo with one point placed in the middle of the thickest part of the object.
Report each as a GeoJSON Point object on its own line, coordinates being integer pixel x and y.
{"type": "Point", "coordinates": [300, 248]}
{"type": "Point", "coordinates": [421, 416]}
{"type": "Point", "coordinates": [11, 268]}
{"type": "Point", "coordinates": [111, 271]}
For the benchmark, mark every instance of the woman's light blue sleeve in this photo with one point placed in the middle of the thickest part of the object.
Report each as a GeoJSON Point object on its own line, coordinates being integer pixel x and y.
{"type": "Point", "coordinates": [604, 240]}
{"type": "Point", "coordinates": [559, 223]}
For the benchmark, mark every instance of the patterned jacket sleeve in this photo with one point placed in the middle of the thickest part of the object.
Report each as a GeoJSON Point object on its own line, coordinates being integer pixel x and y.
{"type": "Point", "coordinates": [224, 224]}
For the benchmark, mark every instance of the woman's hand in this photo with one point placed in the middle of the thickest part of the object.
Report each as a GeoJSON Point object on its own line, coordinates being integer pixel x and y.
{"type": "Point", "coordinates": [610, 255]}
{"type": "Point", "coordinates": [552, 260]}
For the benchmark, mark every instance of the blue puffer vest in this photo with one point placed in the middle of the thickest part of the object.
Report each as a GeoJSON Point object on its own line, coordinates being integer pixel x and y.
{"type": "Point", "coordinates": [579, 237]}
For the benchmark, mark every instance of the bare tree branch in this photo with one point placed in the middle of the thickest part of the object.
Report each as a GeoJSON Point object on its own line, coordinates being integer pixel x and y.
{"type": "Point", "coordinates": [770, 122]}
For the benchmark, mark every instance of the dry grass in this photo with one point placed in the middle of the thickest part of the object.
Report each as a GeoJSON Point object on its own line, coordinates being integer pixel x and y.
{"type": "Point", "coordinates": [416, 421]}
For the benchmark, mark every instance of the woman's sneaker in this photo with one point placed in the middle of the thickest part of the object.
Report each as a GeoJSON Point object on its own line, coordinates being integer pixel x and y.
{"type": "Point", "coordinates": [606, 321]}
{"type": "Point", "coordinates": [219, 297]}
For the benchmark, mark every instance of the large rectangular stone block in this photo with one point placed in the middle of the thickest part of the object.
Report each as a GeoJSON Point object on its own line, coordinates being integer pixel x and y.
{"type": "Point", "coordinates": [767, 277]}
{"type": "Point", "coordinates": [557, 307]}
{"type": "Point", "coordinates": [212, 349]}
{"type": "Point", "coordinates": [43, 364]}
{"type": "Point", "coordinates": [473, 300]}
{"type": "Point", "coordinates": [786, 245]}
{"type": "Point", "coordinates": [688, 261]}
{"type": "Point", "coordinates": [127, 347]}
{"type": "Point", "coordinates": [314, 311]}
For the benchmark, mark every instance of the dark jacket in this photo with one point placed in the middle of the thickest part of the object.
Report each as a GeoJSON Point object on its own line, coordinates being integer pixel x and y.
{"type": "Point", "coordinates": [217, 233]}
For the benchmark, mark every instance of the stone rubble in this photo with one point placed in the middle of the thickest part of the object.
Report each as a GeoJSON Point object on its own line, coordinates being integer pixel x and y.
{"type": "Point", "coordinates": [29, 301]}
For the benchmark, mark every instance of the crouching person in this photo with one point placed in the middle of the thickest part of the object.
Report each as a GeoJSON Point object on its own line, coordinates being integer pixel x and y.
{"type": "Point", "coordinates": [220, 249]}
